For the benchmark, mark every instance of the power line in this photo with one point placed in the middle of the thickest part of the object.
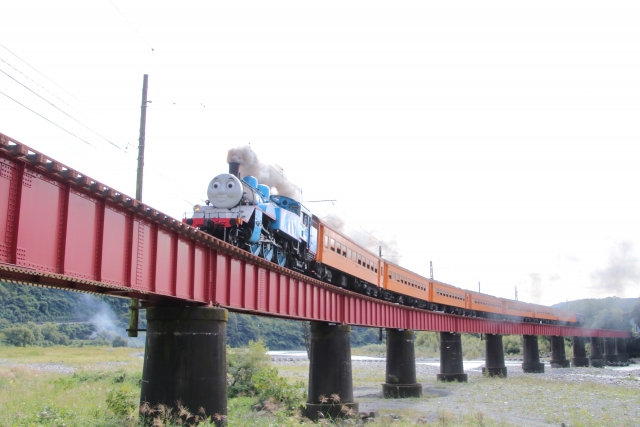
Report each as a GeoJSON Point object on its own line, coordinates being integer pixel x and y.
{"type": "Point", "coordinates": [134, 28]}
{"type": "Point", "coordinates": [42, 87]}
{"type": "Point", "coordinates": [39, 72]}
{"type": "Point", "coordinates": [72, 134]}
{"type": "Point", "coordinates": [59, 109]}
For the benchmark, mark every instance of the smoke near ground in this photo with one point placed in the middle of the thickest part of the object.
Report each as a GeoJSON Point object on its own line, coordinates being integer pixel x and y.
{"type": "Point", "coordinates": [104, 319]}
{"type": "Point", "coordinates": [267, 174]}
{"type": "Point", "coordinates": [622, 273]}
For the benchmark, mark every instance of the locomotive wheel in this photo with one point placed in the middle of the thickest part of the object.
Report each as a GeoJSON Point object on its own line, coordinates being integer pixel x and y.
{"type": "Point", "coordinates": [255, 249]}
{"type": "Point", "coordinates": [234, 237]}
{"type": "Point", "coordinates": [267, 251]}
{"type": "Point", "coordinates": [281, 257]}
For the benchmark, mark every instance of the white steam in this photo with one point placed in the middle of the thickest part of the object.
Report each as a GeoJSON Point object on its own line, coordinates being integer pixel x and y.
{"type": "Point", "coordinates": [271, 176]}
{"type": "Point", "coordinates": [622, 273]}
{"type": "Point", "coordinates": [369, 240]}
{"type": "Point", "coordinates": [536, 287]}
{"type": "Point", "coordinates": [275, 178]}
{"type": "Point", "coordinates": [104, 320]}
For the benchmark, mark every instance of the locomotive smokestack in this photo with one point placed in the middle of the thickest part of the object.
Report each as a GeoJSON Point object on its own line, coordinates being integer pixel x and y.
{"type": "Point", "coordinates": [234, 169]}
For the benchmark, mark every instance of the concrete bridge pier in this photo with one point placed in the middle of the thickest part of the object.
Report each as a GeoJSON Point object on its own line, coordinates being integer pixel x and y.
{"type": "Point", "coordinates": [621, 348]}
{"type": "Point", "coordinates": [531, 355]}
{"type": "Point", "coordinates": [579, 359]}
{"type": "Point", "coordinates": [596, 358]}
{"type": "Point", "coordinates": [400, 379]}
{"type": "Point", "coordinates": [558, 354]}
{"type": "Point", "coordinates": [451, 367]}
{"type": "Point", "coordinates": [494, 357]}
{"type": "Point", "coordinates": [330, 380]}
{"type": "Point", "coordinates": [185, 359]}
{"type": "Point", "coordinates": [610, 351]}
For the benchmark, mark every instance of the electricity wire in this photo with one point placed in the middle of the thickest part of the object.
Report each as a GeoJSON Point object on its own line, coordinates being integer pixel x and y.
{"type": "Point", "coordinates": [42, 87]}
{"type": "Point", "coordinates": [62, 111]}
{"type": "Point", "coordinates": [39, 72]}
{"type": "Point", "coordinates": [55, 124]}
{"type": "Point", "coordinates": [130, 24]}
{"type": "Point", "coordinates": [79, 122]}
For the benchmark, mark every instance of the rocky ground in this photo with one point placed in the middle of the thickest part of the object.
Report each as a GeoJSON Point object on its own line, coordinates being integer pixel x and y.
{"type": "Point", "coordinates": [569, 396]}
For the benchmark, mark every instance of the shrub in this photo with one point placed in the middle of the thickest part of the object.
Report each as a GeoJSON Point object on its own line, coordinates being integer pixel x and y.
{"type": "Point", "coordinates": [275, 389]}
{"type": "Point", "coordinates": [512, 344]}
{"type": "Point", "coordinates": [123, 400]}
{"type": "Point", "coordinates": [242, 365]}
{"type": "Point", "coordinates": [119, 342]}
{"type": "Point", "coordinates": [20, 336]}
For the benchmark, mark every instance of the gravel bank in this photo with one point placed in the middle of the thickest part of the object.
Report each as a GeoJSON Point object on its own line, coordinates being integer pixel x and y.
{"type": "Point", "coordinates": [573, 396]}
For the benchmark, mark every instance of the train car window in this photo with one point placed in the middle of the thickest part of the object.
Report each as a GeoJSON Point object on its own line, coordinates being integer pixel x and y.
{"type": "Point", "coordinates": [333, 245]}
{"type": "Point", "coordinates": [326, 241]}
{"type": "Point", "coordinates": [359, 259]}
{"type": "Point", "coordinates": [338, 247]}
{"type": "Point", "coordinates": [348, 253]}
{"type": "Point", "coordinates": [353, 255]}
{"type": "Point", "coordinates": [305, 219]}
{"type": "Point", "coordinates": [344, 251]}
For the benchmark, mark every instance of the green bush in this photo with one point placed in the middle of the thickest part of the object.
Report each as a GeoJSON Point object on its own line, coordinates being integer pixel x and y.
{"type": "Point", "coordinates": [119, 342]}
{"type": "Point", "coordinates": [242, 365]}
{"type": "Point", "coordinates": [123, 400]}
{"type": "Point", "coordinates": [427, 344]}
{"type": "Point", "coordinates": [277, 390]}
{"type": "Point", "coordinates": [19, 336]}
{"type": "Point", "coordinates": [512, 344]}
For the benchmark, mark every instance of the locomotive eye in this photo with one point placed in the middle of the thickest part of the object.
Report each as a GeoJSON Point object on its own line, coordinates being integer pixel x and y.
{"type": "Point", "coordinates": [229, 184]}
{"type": "Point", "coordinates": [216, 185]}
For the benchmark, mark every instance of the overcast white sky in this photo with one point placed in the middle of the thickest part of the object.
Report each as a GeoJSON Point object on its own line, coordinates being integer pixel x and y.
{"type": "Point", "coordinates": [498, 139]}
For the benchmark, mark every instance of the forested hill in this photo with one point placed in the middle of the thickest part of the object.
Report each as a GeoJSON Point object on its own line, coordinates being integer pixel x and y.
{"type": "Point", "coordinates": [79, 316]}
{"type": "Point", "coordinates": [106, 316]}
{"type": "Point", "coordinates": [606, 313]}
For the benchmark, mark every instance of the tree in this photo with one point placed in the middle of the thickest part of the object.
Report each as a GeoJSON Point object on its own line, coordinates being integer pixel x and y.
{"type": "Point", "coordinates": [119, 342]}
{"type": "Point", "coordinates": [20, 336]}
{"type": "Point", "coordinates": [635, 314]}
{"type": "Point", "coordinates": [613, 318]}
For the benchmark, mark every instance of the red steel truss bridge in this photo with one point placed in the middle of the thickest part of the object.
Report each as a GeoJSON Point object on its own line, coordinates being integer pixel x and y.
{"type": "Point", "coordinates": [62, 229]}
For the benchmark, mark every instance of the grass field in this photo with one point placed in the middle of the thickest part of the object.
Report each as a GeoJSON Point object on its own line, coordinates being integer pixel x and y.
{"type": "Point", "coordinates": [99, 386]}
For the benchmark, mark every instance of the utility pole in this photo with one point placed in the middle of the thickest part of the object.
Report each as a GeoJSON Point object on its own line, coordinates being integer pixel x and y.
{"type": "Point", "coordinates": [143, 125]}
{"type": "Point", "coordinates": [431, 265]}
{"type": "Point", "coordinates": [516, 293]}
{"type": "Point", "coordinates": [478, 287]}
{"type": "Point", "coordinates": [134, 309]}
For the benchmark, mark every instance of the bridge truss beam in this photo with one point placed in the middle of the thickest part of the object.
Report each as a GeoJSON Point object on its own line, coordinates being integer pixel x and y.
{"type": "Point", "coordinates": [63, 229]}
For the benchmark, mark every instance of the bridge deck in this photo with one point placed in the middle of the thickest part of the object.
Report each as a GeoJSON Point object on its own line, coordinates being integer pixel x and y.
{"type": "Point", "coordinates": [65, 230]}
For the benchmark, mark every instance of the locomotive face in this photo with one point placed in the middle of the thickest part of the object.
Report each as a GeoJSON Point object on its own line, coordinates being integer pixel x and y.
{"type": "Point", "coordinates": [225, 191]}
